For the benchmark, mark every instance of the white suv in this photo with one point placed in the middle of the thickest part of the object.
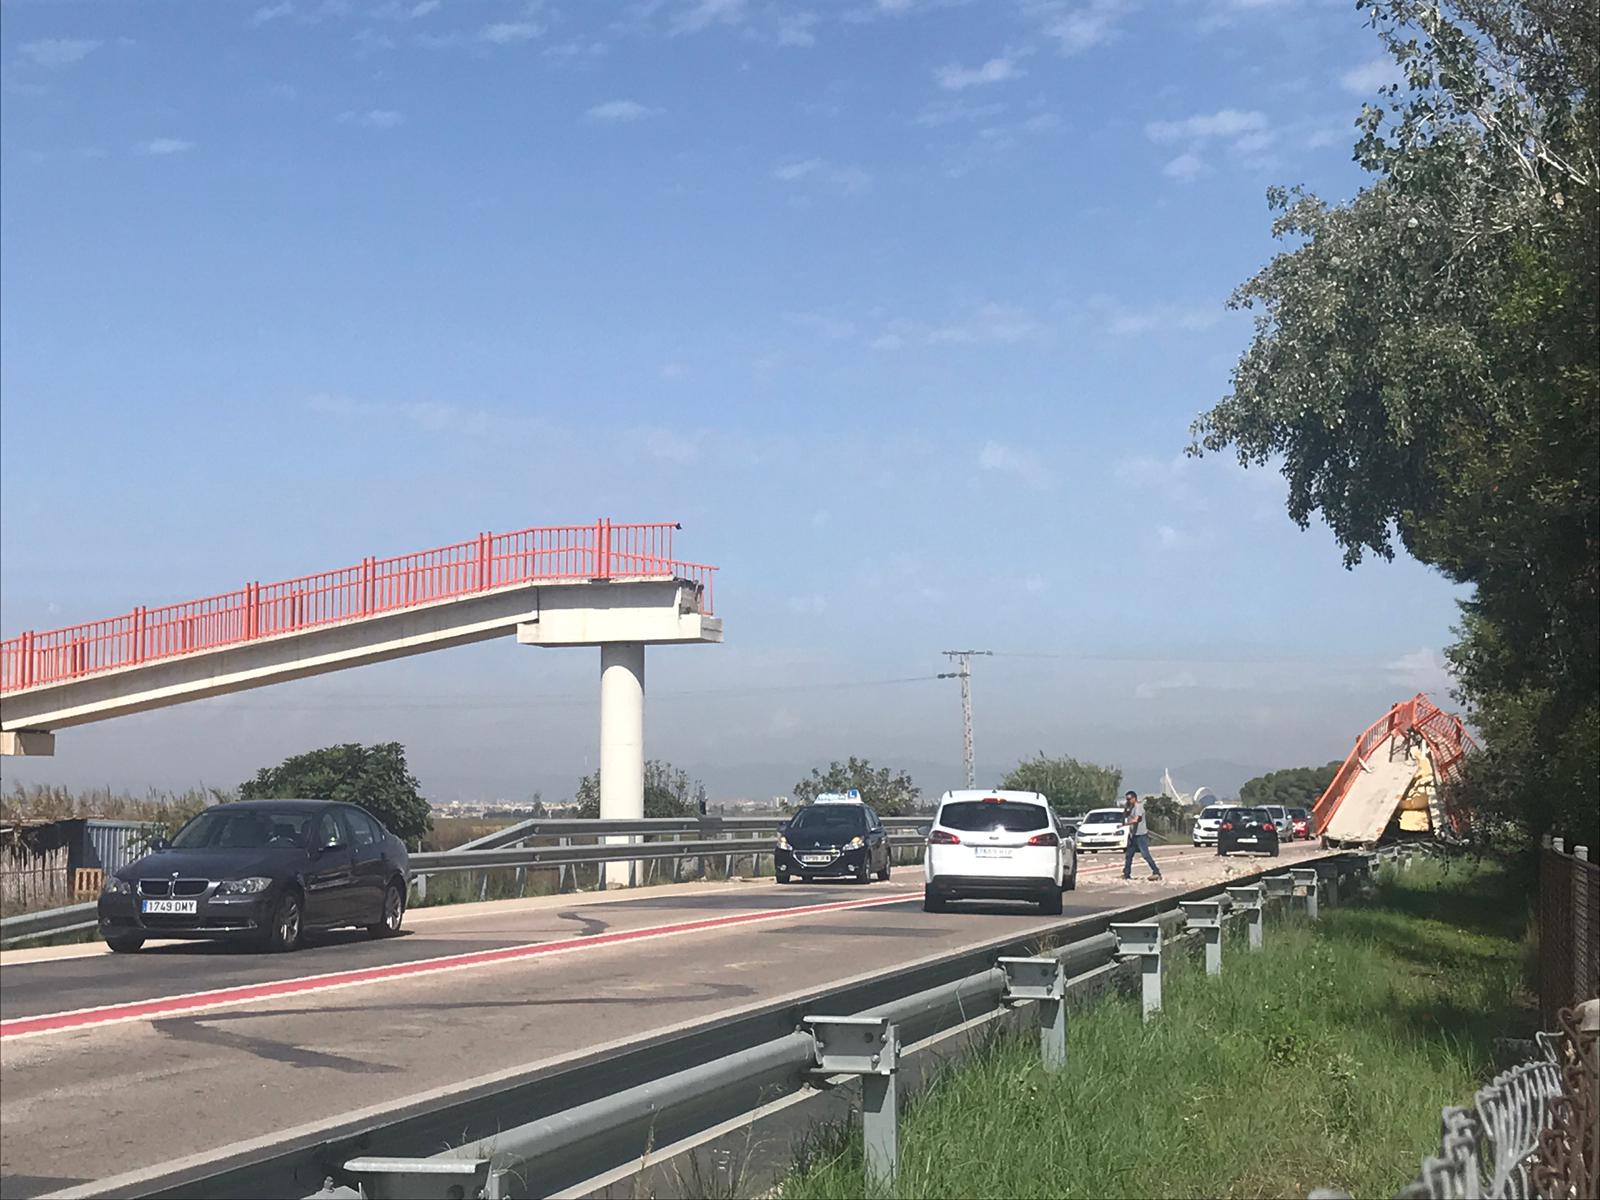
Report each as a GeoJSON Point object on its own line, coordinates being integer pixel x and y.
{"type": "Point", "coordinates": [1102, 829]}
{"type": "Point", "coordinates": [997, 846]}
{"type": "Point", "coordinates": [1205, 825]}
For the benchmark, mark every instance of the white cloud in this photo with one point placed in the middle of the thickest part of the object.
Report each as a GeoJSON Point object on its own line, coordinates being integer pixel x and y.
{"type": "Point", "coordinates": [955, 78]}
{"type": "Point", "coordinates": [895, 7]}
{"type": "Point", "coordinates": [1367, 78]}
{"type": "Point", "coordinates": [705, 13]}
{"type": "Point", "coordinates": [1009, 460]}
{"type": "Point", "coordinates": [621, 110]}
{"type": "Point", "coordinates": [58, 52]}
{"type": "Point", "coordinates": [505, 33]}
{"type": "Point", "coordinates": [1227, 122]}
{"type": "Point", "coordinates": [373, 118]}
{"type": "Point", "coordinates": [1186, 168]}
{"type": "Point", "coordinates": [672, 370]}
{"type": "Point", "coordinates": [1423, 669]}
{"type": "Point", "coordinates": [271, 12]}
{"type": "Point", "coordinates": [845, 180]}
{"type": "Point", "coordinates": [830, 328]}
{"type": "Point", "coordinates": [808, 606]}
{"type": "Point", "coordinates": [990, 323]}
{"type": "Point", "coordinates": [887, 341]}
{"type": "Point", "coordinates": [164, 145]}
{"type": "Point", "coordinates": [427, 416]}
{"type": "Point", "coordinates": [1079, 25]}
{"type": "Point", "coordinates": [789, 172]}
{"type": "Point", "coordinates": [794, 29]}
{"type": "Point", "coordinates": [1158, 318]}
{"type": "Point", "coordinates": [949, 112]}
{"type": "Point", "coordinates": [1152, 688]}
{"type": "Point", "coordinates": [1168, 478]}
{"type": "Point", "coordinates": [1327, 137]}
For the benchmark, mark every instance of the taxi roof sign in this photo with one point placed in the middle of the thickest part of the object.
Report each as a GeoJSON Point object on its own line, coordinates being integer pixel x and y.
{"type": "Point", "coordinates": [853, 796]}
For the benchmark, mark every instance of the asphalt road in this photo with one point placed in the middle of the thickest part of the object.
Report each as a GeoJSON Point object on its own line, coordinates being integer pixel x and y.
{"type": "Point", "coordinates": [469, 990]}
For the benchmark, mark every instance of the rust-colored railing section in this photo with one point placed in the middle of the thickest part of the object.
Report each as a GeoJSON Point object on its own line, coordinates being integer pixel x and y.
{"type": "Point", "coordinates": [1448, 743]}
{"type": "Point", "coordinates": [374, 586]}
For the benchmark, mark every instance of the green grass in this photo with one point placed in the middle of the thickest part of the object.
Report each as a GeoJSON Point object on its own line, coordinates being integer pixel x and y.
{"type": "Point", "coordinates": [1323, 1061]}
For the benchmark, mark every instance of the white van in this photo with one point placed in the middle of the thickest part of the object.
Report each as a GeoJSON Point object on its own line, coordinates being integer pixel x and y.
{"type": "Point", "coordinates": [997, 846]}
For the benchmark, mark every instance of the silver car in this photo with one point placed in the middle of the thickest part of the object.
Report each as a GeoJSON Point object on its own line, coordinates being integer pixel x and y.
{"type": "Point", "coordinates": [1280, 818]}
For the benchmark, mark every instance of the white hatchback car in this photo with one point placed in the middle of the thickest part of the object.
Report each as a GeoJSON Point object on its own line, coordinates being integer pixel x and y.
{"type": "Point", "coordinates": [1205, 825]}
{"type": "Point", "coordinates": [997, 846]}
{"type": "Point", "coordinates": [1102, 829]}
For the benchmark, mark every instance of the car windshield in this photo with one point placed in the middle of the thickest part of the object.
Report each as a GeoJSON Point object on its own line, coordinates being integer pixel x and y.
{"type": "Point", "coordinates": [827, 819]}
{"type": "Point", "coordinates": [1005, 816]}
{"type": "Point", "coordinates": [1211, 814]}
{"type": "Point", "coordinates": [226, 827]}
{"type": "Point", "coordinates": [1104, 816]}
{"type": "Point", "coordinates": [1297, 813]}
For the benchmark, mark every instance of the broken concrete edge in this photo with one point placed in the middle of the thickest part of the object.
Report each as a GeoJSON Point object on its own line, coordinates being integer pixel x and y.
{"type": "Point", "coordinates": [34, 743]}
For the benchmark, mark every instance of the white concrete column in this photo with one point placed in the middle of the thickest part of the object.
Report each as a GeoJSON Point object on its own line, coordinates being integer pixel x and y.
{"type": "Point", "coordinates": [621, 740]}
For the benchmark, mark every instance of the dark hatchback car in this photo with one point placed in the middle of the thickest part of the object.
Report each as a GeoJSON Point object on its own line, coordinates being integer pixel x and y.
{"type": "Point", "coordinates": [1247, 829]}
{"type": "Point", "coordinates": [833, 837]}
{"type": "Point", "coordinates": [266, 871]}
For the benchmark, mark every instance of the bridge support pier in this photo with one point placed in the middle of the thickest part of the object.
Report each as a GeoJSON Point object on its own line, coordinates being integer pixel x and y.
{"type": "Point", "coordinates": [621, 744]}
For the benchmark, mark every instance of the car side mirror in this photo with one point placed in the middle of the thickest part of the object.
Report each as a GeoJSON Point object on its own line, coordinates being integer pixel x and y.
{"type": "Point", "coordinates": [330, 847]}
{"type": "Point", "coordinates": [158, 844]}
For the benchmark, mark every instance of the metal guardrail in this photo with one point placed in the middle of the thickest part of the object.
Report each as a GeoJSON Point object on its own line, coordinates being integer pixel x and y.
{"type": "Point", "coordinates": [536, 827]}
{"type": "Point", "coordinates": [26, 926]}
{"type": "Point", "coordinates": [547, 1130]}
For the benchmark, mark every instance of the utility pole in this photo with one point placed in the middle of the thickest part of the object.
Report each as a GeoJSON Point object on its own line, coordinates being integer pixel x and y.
{"type": "Point", "coordinates": [963, 672]}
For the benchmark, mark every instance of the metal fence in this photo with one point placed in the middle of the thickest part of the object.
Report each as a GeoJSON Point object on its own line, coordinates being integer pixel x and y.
{"type": "Point", "coordinates": [1569, 927]}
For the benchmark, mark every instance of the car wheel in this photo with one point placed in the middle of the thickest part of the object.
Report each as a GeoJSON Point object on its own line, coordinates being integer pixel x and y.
{"type": "Point", "coordinates": [782, 877]}
{"type": "Point", "coordinates": [1050, 903]}
{"type": "Point", "coordinates": [883, 875]}
{"type": "Point", "coordinates": [124, 943]}
{"type": "Point", "coordinates": [288, 925]}
{"type": "Point", "coordinates": [1274, 852]}
{"type": "Point", "coordinates": [1071, 885]}
{"type": "Point", "coordinates": [394, 911]}
{"type": "Point", "coordinates": [864, 871]}
{"type": "Point", "coordinates": [1221, 853]}
{"type": "Point", "coordinates": [932, 902]}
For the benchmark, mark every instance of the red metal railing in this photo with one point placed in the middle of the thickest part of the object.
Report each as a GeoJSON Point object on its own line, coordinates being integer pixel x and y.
{"type": "Point", "coordinates": [603, 550]}
{"type": "Point", "coordinates": [1448, 743]}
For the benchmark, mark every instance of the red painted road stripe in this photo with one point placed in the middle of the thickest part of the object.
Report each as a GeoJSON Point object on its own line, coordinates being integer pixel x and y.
{"type": "Point", "coordinates": [166, 1006]}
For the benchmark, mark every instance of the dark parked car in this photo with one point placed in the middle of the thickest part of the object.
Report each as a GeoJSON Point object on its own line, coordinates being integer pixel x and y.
{"type": "Point", "coordinates": [1247, 829]}
{"type": "Point", "coordinates": [267, 871]}
{"type": "Point", "coordinates": [833, 837]}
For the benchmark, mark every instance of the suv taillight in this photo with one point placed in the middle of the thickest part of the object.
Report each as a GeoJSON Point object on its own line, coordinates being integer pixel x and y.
{"type": "Point", "coordinates": [1227, 825]}
{"type": "Point", "coordinates": [940, 838]}
{"type": "Point", "coordinates": [1044, 839]}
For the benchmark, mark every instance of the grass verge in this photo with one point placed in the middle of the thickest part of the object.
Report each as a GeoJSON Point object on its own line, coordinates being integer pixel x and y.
{"type": "Point", "coordinates": [1323, 1061]}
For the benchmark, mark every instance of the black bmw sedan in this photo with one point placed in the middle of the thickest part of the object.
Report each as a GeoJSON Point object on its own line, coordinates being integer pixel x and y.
{"type": "Point", "coordinates": [267, 871]}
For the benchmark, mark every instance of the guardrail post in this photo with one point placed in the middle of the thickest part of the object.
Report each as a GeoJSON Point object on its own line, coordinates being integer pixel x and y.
{"type": "Point", "coordinates": [561, 871]}
{"type": "Point", "coordinates": [424, 1178]}
{"type": "Point", "coordinates": [1250, 901]}
{"type": "Point", "coordinates": [1143, 941]}
{"type": "Point", "coordinates": [867, 1047]}
{"type": "Point", "coordinates": [1278, 887]}
{"type": "Point", "coordinates": [1206, 916]}
{"type": "Point", "coordinates": [420, 882]}
{"type": "Point", "coordinates": [1043, 980]}
{"type": "Point", "coordinates": [1307, 879]}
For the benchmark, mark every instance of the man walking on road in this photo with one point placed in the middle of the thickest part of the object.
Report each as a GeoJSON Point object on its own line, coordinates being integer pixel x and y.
{"type": "Point", "coordinates": [1138, 836]}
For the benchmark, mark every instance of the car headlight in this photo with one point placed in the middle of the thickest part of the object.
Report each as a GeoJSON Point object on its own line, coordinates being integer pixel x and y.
{"type": "Point", "coordinates": [856, 843]}
{"type": "Point", "coordinates": [116, 887]}
{"type": "Point", "coordinates": [783, 843]}
{"type": "Point", "coordinates": [244, 887]}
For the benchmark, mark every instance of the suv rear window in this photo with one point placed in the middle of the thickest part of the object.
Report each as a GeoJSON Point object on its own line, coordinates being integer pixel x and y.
{"type": "Point", "coordinates": [1007, 816]}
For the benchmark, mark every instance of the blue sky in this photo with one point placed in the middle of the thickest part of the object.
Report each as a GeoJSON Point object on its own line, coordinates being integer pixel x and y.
{"type": "Point", "coordinates": [902, 308]}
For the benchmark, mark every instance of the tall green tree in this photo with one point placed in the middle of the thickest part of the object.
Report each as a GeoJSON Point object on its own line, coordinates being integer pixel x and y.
{"type": "Point", "coordinates": [375, 777]}
{"type": "Point", "coordinates": [1072, 787]}
{"type": "Point", "coordinates": [1292, 787]}
{"type": "Point", "coordinates": [1425, 369]}
{"type": "Point", "coordinates": [891, 793]}
{"type": "Point", "coordinates": [668, 792]}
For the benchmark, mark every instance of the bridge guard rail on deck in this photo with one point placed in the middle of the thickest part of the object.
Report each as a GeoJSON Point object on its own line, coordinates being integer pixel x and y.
{"type": "Point", "coordinates": [552, 1129]}
{"type": "Point", "coordinates": [601, 551]}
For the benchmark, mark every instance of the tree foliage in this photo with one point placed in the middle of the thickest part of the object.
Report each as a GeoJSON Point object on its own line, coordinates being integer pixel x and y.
{"type": "Point", "coordinates": [1072, 787]}
{"type": "Point", "coordinates": [1292, 787]}
{"type": "Point", "coordinates": [668, 792]}
{"type": "Point", "coordinates": [375, 777]}
{"type": "Point", "coordinates": [890, 793]}
{"type": "Point", "coordinates": [1426, 365]}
